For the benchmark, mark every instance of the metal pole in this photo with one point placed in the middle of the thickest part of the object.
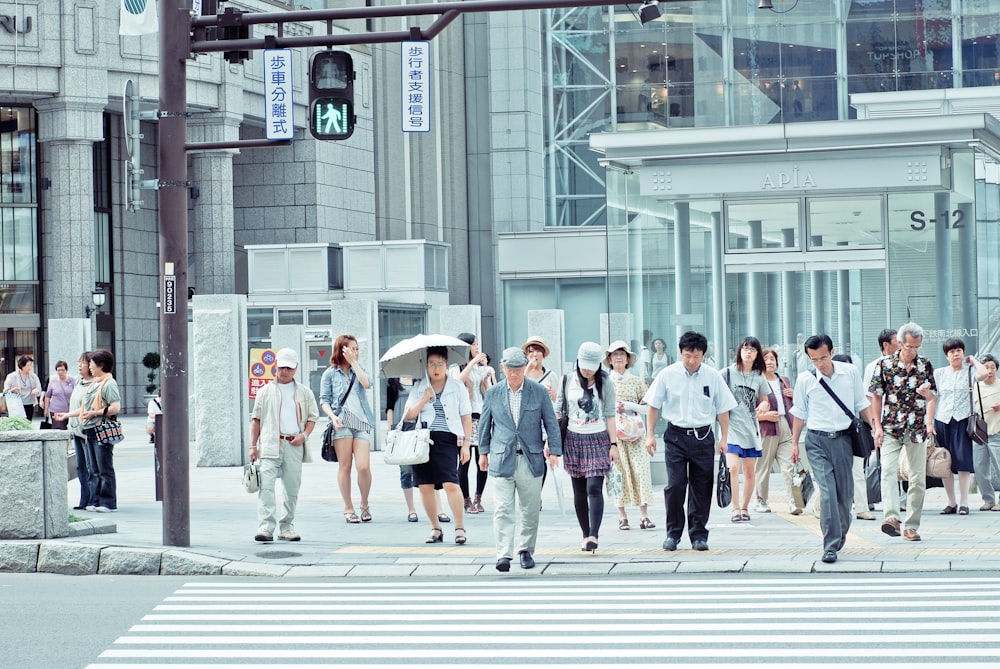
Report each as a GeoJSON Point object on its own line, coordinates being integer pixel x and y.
{"type": "Point", "coordinates": [174, 28]}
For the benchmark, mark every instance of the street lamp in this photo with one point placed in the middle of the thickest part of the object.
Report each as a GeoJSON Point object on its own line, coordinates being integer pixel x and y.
{"type": "Point", "coordinates": [98, 297]}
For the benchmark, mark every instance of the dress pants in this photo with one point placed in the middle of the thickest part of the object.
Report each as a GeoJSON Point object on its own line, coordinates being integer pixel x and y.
{"type": "Point", "coordinates": [985, 457]}
{"type": "Point", "coordinates": [916, 457]}
{"type": "Point", "coordinates": [690, 473]}
{"type": "Point", "coordinates": [528, 489]}
{"type": "Point", "coordinates": [831, 460]}
{"type": "Point", "coordinates": [287, 467]}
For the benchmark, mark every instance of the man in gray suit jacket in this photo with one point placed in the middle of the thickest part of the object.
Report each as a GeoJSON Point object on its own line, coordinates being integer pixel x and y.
{"type": "Point", "coordinates": [510, 430]}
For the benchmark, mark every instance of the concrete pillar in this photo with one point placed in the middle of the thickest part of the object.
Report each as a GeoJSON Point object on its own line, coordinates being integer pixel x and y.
{"type": "Point", "coordinates": [220, 378]}
{"type": "Point", "coordinates": [360, 318]}
{"type": "Point", "coordinates": [969, 293]}
{"type": "Point", "coordinates": [718, 335]}
{"type": "Point", "coordinates": [617, 326]}
{"type": "Point", "coordinates": [682, 263]}
{"type": "Point", "coordinates": [213, 257]}
{"type": "Point", "coordinates": [756, 324]}
{"type": "Point", "coordinates": [68, 338]}
{"type": "Point", "coordinates": [788, 312]}
{"type": "Point", "coordinates": [943, 265]}
{"type": "Point", "coordinates": [550, 325]}
{"type": "Point", "coordinates": [454, 319]}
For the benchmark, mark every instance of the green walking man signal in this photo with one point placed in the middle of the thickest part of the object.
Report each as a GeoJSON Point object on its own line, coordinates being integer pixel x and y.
{"type": "Point", "coordinates": [331, 95]}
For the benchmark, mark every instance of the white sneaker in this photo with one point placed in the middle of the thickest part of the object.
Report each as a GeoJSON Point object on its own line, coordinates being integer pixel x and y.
{"type": "Point", "coordinates": [102, 509]}
{"type": "Point", "coordinates": [91, 507]}
{"type": "Point", "coordinates": [289, 535]}
{"type": "Point", "coordinates": [761, 506]}
{"type": "Point", "coordinates": [263, 536]}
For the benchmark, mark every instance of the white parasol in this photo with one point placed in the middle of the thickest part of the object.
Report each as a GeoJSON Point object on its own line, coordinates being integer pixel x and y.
{"type": "Point", "coordinates": [409, 357]}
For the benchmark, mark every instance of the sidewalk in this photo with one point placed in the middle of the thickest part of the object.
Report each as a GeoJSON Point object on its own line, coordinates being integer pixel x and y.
{"type": "Point", "coordinates": [223, 522]}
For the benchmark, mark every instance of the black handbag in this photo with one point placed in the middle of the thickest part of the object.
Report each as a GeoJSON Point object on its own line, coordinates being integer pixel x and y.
{"type": "Point", "coordinates": [873, 477]}
{"type": "Point", "coordinates": [563, 413]}
{"type": "Point", "coordinates": [976, 425]}
{"type": "Point", "coordinates": [328, 452]}
{"type": "Point", "coordinates": [862, 440]}
{"type": "Point", "coordinates": [723, 486]}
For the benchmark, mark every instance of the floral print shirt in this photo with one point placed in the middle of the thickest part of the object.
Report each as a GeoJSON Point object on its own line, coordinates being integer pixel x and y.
{"type": "Point", "coordinates": [904, 410]}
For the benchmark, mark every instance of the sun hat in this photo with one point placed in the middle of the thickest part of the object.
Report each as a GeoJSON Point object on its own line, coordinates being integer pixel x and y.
{"type": "Point", "coordinates": [620, 345]}
{"type": "Point", "coordinates": [535, 340]}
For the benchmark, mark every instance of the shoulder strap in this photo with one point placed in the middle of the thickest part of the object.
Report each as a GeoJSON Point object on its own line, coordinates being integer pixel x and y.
{"type": "Point", "coordinates": [545, 375]}
{"type": "Point", "coordinates": [836, 399]}
{"type": "Point", "coordinates": [349, 386]}
{"type": "Point", "coordinates": [982, 411]}
{"type": "Point", "coordinates": [565, 407]}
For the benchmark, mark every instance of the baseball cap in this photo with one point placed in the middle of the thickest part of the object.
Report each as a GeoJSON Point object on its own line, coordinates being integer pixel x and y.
{"type": "Point", "coordinates": [287, 357]}
{"type": "Point", "coordinates": [589, 356]}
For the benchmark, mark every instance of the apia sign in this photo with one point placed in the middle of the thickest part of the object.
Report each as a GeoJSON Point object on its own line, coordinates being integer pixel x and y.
{"type": "Point", "coordinates": [794, 180]}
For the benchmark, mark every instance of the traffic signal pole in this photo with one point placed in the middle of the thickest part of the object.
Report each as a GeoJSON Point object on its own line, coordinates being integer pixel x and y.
{"type": "Point", "coordinates": [175, 22]}
{"type": "Point", "coordinates": [176, 46]}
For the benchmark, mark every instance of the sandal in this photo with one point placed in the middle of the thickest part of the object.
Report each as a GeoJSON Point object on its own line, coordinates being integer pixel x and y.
{"type": "Point", "coordinates": [459, 538]}
{"type": "Point", "coordinates": [412, 518]}
{"type": "Point", "coordinates": [646, 524]}
{"type": "Point", "coordinates": [963, 510]}
{"type": "Point", "coordinates": [478, 503]}
{"type": "Point", "coordinates": [736, 517]}
{"type": "Point", "coordinates": [948, 510]}
{"type": "Point", "coordinates": [444, 518]}
{"type": "Point", "coordinates": [744, 516]}
{"type": "Point", "coordinates": [623, 524]}
{"type": "Point", "coordinates": [437, 536]}
{"type": "Point", "coordinates": [366, 516]}
{"type": "Point", "coordinates": [351, 517]}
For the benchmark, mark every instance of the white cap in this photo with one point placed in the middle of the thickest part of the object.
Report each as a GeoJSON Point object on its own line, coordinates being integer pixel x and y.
{"type": "Point", "coordinates": [287, 357]}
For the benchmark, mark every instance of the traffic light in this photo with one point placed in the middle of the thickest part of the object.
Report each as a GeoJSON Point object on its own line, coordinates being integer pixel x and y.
{"type": "Point", "coordinates": [331, 95]}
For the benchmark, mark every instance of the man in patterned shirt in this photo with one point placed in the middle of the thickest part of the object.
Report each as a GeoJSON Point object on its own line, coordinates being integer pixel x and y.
{"type": "Point", "coordinates": [902, 393]}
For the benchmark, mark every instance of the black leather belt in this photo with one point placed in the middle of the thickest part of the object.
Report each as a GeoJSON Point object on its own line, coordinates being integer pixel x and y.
{"type": "Point", "coordinates": [831, 435]}
{"type": "Point", "coordinates": [690, 431]}
{"type": "Point", "coordinates": [288, 437]}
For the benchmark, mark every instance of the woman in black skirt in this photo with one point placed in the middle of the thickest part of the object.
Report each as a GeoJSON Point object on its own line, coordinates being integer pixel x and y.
{"type": "Point", "coordinates": [441, 403]}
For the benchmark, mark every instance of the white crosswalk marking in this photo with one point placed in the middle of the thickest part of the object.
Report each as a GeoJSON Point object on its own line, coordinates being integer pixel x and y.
{"type": "Point", "coordinates": [528, 623]}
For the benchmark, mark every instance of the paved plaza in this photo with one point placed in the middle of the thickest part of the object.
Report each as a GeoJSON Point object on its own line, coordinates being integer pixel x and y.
{"type": "Point", "coordinates": [223, 522]}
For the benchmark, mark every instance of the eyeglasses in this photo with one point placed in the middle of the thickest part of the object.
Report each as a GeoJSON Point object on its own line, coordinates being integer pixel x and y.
{"type": "Point", "coordinates": [435, 365]}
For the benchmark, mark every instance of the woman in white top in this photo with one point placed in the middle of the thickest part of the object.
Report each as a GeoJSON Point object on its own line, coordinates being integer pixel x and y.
{"type": "Point", "coordinates": [952, 412]}
{"type": "Point", "coordinates": [442, 404]}
{"type": "Point", "coordinates": [477, 376]}
{"type": "Point", "coordinates": [587, 398]}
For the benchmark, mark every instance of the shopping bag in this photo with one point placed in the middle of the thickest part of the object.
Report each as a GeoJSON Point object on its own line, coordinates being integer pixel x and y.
{"type": "Point", "coordinates": [802, 488]}
{"type": "Point", "coordinates": [15, 407]}
{"type": "Point", "coordinates": [251, 477]}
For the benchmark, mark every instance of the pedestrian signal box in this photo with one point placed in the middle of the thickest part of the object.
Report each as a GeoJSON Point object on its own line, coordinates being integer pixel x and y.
{"type": "Point", "coordinates": [331, 95]}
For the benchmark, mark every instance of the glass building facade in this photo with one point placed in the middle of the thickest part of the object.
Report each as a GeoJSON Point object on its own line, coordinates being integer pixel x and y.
{"type": "Point", "coordinates": [733, 156]}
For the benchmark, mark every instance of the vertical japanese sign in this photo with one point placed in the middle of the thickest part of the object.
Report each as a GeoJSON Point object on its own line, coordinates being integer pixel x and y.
{"type": "Point", "coordinates": [416, 83]}
{"type": "Point", "coordinates": [278, 94]}
{"type": "Point", "coordinates": [262, 369]}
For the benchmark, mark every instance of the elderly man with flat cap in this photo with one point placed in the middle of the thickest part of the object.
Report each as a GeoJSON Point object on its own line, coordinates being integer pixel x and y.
{"type": "Point", "coordinates": [511, 449]}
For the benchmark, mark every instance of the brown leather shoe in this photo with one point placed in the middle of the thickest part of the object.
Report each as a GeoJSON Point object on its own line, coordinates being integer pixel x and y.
{"type": "Point", "coordinates": [891, 527]}
{"type": "Point", "coordinates": [911, 535]}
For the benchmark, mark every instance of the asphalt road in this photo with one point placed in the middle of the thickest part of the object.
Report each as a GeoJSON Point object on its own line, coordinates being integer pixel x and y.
{"type": "Point", "coordinates": [725, 620]}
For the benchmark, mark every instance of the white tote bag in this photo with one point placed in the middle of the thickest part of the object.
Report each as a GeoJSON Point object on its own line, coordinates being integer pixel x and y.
{"type": "Point", "coordinates": [412, 447]}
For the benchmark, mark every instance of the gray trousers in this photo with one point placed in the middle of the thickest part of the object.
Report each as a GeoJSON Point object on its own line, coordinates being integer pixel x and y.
{"type": "Point", "coordinates": [528, 489]}
{"type": "Point", "coordinates": [985, 457]}
{"type": "Point", "coordinates": [831, 461]}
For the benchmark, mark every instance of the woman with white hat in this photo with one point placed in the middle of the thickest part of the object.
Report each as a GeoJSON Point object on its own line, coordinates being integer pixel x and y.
{"type": "Point", "coordinates": [587, 400]}
{"type": "Point", "coordinates": [636, 487]}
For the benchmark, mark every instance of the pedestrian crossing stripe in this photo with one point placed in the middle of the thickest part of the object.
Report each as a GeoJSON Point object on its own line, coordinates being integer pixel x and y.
{"type": "Point", "coordinates": [532, 623]}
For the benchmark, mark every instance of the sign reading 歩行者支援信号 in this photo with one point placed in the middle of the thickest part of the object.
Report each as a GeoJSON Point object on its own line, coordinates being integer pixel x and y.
{"type": "Point", "coordinates": [416, 85]}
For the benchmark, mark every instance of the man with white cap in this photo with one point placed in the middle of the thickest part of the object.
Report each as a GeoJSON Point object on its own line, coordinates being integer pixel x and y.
{"type": "Point", "coordinates": [510, 429]}
{"type": "Point", "coordinates": [284, 414]}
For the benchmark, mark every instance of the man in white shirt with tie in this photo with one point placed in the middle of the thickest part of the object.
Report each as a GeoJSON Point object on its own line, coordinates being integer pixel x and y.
{"type": "Point", "coordinates": [828, 438]}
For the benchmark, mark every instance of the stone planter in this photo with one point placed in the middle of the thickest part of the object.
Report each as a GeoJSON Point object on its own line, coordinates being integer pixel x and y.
{"type": "Point", "coordinates": [33, 501]}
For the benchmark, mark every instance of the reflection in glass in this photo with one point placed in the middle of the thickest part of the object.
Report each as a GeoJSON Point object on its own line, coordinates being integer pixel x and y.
{"type": "Point", "coordinates": [762, 225]}
{"type": "Point", "coordinates": [840, 222]}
